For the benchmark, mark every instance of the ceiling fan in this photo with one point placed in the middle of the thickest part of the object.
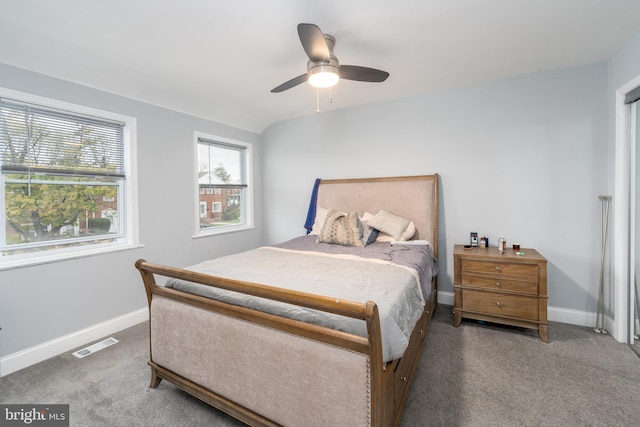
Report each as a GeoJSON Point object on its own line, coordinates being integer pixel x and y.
{"type": "Point", "coordinates": [323, 68]}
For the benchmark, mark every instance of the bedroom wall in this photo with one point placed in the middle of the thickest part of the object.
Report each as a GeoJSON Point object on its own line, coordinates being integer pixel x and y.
{"type": "Point", "coordinates": [522, 157]}
{"type": "Point", "coordinates": [46, 302]}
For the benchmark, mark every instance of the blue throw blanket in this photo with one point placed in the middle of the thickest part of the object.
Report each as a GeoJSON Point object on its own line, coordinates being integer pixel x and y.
{"type": "Point", "coordinates": [311, 213]}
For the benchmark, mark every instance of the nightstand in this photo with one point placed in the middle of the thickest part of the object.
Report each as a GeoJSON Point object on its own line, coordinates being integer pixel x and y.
{"type": "Point", "coordinates": [505, 288]}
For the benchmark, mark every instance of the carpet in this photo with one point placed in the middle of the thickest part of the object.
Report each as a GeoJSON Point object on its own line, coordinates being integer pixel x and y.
{"type": "Point", "coordinates": [473, 375]}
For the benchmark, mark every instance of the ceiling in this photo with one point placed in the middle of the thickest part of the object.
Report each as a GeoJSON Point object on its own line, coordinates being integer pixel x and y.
{"type": "Point", "coordinates": [219, 59]}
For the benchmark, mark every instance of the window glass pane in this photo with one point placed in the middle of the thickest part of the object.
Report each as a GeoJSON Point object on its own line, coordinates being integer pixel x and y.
{"type": "Point", "coordinates": [221, 172]}
{"type": "Point", "coordinates": [47, 212]}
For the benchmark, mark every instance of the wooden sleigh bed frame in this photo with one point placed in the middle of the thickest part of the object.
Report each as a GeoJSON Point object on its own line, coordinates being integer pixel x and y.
{"type": "Point", "coordinates": [267, 370]}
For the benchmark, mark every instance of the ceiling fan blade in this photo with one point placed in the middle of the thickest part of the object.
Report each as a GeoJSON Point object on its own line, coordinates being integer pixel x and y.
{"type": "Point", "coordinates": [291, 83]}
{"type": "Point", "coordinates": [362, 74]}
{"type": "Point", "coordinates": [314, 43]}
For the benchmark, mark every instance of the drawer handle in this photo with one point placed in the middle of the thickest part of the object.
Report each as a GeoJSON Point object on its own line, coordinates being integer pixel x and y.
{"type": "Point", "coordinates": [498, 304]}
{"type": "Point", "coordinates": [497, 268]}
{"type": "Point", "coordinates": [498, 284]}
{"type": "Point", "coordinates": [403, 379]}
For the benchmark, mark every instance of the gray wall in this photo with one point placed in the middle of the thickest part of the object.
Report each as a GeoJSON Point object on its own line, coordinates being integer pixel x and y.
{"type": "Point", "coordinates": [44, 302]}
{"type": "Point", "coordinates": [523, 158]}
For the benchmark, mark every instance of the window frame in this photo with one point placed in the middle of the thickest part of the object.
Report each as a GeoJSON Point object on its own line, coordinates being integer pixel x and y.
{"type": "Point", "coordinates": [248, 212]}
{"type": "Point", "coordinates": [130, 235]}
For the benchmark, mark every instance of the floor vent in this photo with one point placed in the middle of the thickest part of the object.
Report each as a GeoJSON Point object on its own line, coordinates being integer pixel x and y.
{"type": "Point", "coordinates": [95, 347]}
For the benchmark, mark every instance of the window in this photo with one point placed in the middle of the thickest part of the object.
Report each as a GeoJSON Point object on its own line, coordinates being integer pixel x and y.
{"type": "Point", "coordinates": [66, 185]}
{"type": "Point", "coordinates": [223, 169]}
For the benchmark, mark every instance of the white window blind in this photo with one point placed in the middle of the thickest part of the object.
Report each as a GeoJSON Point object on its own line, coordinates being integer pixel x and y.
{"type": "Point", "coordinates": [41, 140]}
{"type": "Point", "coordinates": [221, 165]}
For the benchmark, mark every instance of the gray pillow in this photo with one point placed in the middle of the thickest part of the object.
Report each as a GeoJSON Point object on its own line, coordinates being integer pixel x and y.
{"type": "Point", "coordinates": [369, 234]}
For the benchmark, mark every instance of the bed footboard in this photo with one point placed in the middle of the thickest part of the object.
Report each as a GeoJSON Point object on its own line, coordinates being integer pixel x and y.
{"type": "Point", "coordinates": [262, 368]}
{"type": "Point", "coordinates": [287, 379]}
{"type": "Point", "coordinates": [266, 370]}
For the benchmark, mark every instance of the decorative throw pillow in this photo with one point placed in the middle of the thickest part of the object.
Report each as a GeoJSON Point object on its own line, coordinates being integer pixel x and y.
{"type": "Point", "coordinates": [389, 223]}
{"type": "Point", "coordinates": [341, 229]}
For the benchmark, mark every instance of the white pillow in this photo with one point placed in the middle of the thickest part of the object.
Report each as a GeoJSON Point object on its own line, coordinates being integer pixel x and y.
{"type": "Point", "coordinates": [385, 238]}
{"type": "Point", "coordinates": [389, 223]}
{"type": "Point", "coordinates": [409, 232]}
{"type": "Point", "coordinates": [366, 217]}
{"type": "Point", "coordinates": [321, 215]}
{"type": "Point", "coordinates": [406, 235]}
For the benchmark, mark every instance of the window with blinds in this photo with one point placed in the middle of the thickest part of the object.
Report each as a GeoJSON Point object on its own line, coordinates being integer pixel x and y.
{"type": "Point", "coordinates": [63, 176]}
{"type": "Point", "coordinates": [224, 196]}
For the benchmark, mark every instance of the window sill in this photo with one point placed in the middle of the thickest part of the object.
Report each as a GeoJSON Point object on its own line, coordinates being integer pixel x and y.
{"type": "Point", "coordinates": [48, 259]}
{"type": "Point", "coordinates": [225, 230]}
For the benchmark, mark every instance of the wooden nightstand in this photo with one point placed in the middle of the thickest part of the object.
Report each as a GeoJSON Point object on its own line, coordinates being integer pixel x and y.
{"type": "Point", "coordinates": [503, 288]}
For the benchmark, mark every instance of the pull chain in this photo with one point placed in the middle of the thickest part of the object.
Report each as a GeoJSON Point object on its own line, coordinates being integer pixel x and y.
{"type": "Point", "coordinates": [318, 99]}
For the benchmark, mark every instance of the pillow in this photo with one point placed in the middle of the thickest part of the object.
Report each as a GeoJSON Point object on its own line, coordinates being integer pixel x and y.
{"type": "Point", "coordinates": [369, 234]}
{"type": "Point", "coordinates": [409, 232]}
{"type": "Point", "coordinates": [385, 238]}
{"type": "Point", "coordinates": [321, 214]}
{"type": "Point", "coordinates": [342, 229]}
{"type": "Point", "coordinates": [389, 224]}
{"type": "Point", "coordinates": [366, 217]}
{"type": "Point", "coordinates": [406, 235]}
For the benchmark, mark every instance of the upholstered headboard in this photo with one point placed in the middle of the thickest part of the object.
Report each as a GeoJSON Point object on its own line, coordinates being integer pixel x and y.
{"type": "Point", "coordinates": [411, 197]}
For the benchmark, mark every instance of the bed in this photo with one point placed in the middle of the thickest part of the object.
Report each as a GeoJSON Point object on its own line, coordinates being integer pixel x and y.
{"type": "Point", "coordinates": [298, 333]}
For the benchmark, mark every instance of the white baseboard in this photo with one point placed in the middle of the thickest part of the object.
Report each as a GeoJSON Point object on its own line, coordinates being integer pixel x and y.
{"type": "Point", "coordinates": [573, 317]}
{"type": "Point", "coordinates": [445, 298]}
{"type": "Point", "coordinates": [30, 356]}
{"type": "Point", "coordinates": [554, 314]}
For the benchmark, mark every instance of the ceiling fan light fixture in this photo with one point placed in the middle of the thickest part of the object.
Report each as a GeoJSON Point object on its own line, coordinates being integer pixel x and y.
{"type": "Point", "coordinates": [323, 75]}
{"type": "Point", "coordinates": [323, 68]}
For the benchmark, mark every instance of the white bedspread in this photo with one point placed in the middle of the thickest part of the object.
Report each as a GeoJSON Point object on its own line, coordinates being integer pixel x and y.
{"type": "Point", "coordinates": [394, 288]}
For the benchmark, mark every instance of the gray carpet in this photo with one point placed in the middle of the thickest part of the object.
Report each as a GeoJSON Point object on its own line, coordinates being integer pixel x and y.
{"type": "Point", "coordinates": [474, 375]}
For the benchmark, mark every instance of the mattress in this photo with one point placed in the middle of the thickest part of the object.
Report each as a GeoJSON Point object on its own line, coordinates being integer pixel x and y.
{"type": "Point", "coordinates": [396, 277]}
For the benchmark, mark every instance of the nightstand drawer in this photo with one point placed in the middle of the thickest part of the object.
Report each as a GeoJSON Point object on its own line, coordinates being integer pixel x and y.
{"type": "Point", "coordinates": [500, 304]}
{"type": "Point", "coordinates": [501, 284]}
{"type": "Point", "coordinates": [498, 267]}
